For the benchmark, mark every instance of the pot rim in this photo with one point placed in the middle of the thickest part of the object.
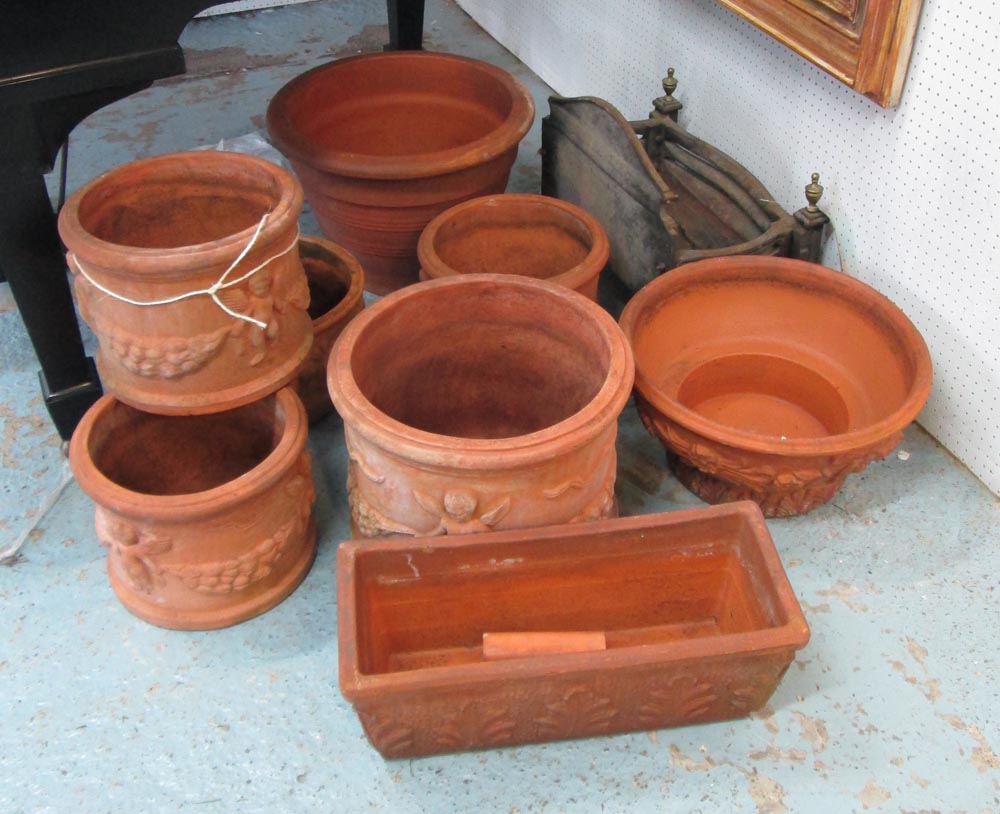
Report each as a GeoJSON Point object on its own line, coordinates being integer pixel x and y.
{"type": "Point", "coordinates": [179, 508]}
{"type": "Point", "coordinates": [595, 260]}
{"type": "Point", "coordinates": [414, 165]}
{"type": "Point", "coordinates": [801, 274]}
{"type": "Point", "coordinates": [437, 450]}
{"type": "Point", "coordinates": [179, 262]}
{"type": "Point", "coordinates": [356, 281]}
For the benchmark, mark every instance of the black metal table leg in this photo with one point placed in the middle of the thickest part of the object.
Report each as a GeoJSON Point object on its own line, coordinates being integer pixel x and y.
{"type": "Point", "coordinates": [406, 25]}
{"type": "Point", "coordinates": [32, 259]}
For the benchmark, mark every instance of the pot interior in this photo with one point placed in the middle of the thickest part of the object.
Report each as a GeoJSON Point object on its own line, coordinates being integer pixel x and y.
{"type": "Point", "coordinates": [521, 237]}
{"type": "Point", "coordinates": [774, 358]}
{"type": "Point", "coordinates": [176, 455]}
{"type": "Point", "coordinates": [683, 583]}
{"type": "Point", "coordinates": [167, 205]}
{"type": "Point", "coordinates": [328, 284]}
{"type": "Point", "coordinates": [403, 106]}
{"type": "Point", "coordinates": [484, 360]}
{"type": "Point", "coordinates": [767, 395]}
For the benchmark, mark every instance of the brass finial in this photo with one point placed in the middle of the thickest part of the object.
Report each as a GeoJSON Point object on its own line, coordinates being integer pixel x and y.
{"type": "Point", "coordinates": [669, 83]}
{"type": "Point", "coordinates": [813, 191]}
{"type": "Point", "coordinates": [667, 105]}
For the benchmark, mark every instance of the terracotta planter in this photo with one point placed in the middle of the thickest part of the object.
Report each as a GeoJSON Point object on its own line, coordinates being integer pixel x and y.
{"type": "Point", "coordinates": [384, 142]}
{"type": "Point", "coordinates": [479, 402]}
{"type": "Point", "coordinates": [772, 379]}
{"type": "Point", "coordinates": [207, 519]}
{"type": "Point", "coordinates": [698, 620]}
{"type": "Point", "coordinates": [162, 227]}
{"type": "Point", "coordinates": [336, 296]}
{"type": "Point", "coordinates": [531, 235]}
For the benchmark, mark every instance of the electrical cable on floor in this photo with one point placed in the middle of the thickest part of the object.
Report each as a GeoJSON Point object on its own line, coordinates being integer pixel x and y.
{"type": "Point", "coordinates": [9, 555]}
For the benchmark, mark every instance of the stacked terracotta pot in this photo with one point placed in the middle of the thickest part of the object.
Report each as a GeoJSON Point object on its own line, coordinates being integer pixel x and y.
{"type": "Point", "coordinates": [187, 268]}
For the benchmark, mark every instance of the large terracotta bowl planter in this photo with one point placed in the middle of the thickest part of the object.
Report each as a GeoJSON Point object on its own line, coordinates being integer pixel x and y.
{"type": "Point", "coordinates": [165, 227]}
{"type": "Point", "coordinates": [207, 519]}
{"type": "Point", "coordinates": [692, 612]}
{"type": "Point", "coordinates": [772, 379]}
{"type": "Point", "coordinates": [531, 235]}
{"type": "Point", "coordinates": [384, 142]}
{"type": "Point", "coordinates": [336, 296]}
{"type": "Point", "coordinates": [479, 402]}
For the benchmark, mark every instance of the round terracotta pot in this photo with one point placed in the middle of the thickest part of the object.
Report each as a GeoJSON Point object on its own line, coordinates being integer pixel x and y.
{"type": "Point", "coordinates": [336, 296]}
{"type": "Point", "coordinates": [207, 519]}
{"type": "Point", "coordinates": [384, 142]}
{"type": "Point", "coordinates": [159, 228]}
{"type": "Point", "coordinates": [479, 402]}
{"type": "Point", "coordinates": [532, 235]}
{"type": "Point", "coordinates": [772, 379]}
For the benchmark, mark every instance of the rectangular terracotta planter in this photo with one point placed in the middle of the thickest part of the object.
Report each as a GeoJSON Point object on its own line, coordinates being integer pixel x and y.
{"type": "Point", "coordinates": [699, 620]}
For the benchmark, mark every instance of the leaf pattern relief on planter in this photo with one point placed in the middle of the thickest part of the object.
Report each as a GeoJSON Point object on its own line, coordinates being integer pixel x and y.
{"type": "Point", "coordinates": [579, 711]}
{"type": "Point", "coordinates": [683, 698]}
{"type": "Point", "coordinates": [473, 723]}
{"type": "Point", "coordinates": [392, 738]}
{"type": "Point", "coordinates": [744, 698]}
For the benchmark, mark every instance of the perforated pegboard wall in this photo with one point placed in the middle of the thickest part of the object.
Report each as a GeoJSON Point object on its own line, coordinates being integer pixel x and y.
{"type": "Point", "coordinates": [912, 191]}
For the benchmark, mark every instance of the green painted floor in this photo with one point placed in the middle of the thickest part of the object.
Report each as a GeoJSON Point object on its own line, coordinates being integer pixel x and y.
{"type": "Point", "coordinates": [891, 707]}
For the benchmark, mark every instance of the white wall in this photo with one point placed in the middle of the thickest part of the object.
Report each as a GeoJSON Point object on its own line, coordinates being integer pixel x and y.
{"type": "Point", "coordinates": [913, 192]}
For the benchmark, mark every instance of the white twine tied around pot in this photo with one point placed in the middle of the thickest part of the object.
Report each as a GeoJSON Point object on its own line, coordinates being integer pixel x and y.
{"type": "Point", "coordinates": [213, 290]}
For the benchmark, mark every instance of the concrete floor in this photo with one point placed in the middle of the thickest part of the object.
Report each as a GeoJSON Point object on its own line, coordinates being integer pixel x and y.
{"type": "Point", "coordinates": [891, 706]}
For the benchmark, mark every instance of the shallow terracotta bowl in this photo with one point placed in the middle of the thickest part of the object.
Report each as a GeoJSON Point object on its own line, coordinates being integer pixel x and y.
{"type": "Point", "coordinates": [772, 379]}
{"type": "Point", "coordinates": [480, 401]}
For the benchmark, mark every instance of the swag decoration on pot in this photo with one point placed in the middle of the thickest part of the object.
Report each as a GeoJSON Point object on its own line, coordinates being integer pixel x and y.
{"type": "Point", "coordinates": [207, 519]}
{"type": "Point", "coordinates": [187, 269]}
{"type": "Point", "coordinates": [479, 402]}
{"type": "Point", "coordinates": [384, 142]}
{"type": "Point", "coordinates": [772, 379]}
